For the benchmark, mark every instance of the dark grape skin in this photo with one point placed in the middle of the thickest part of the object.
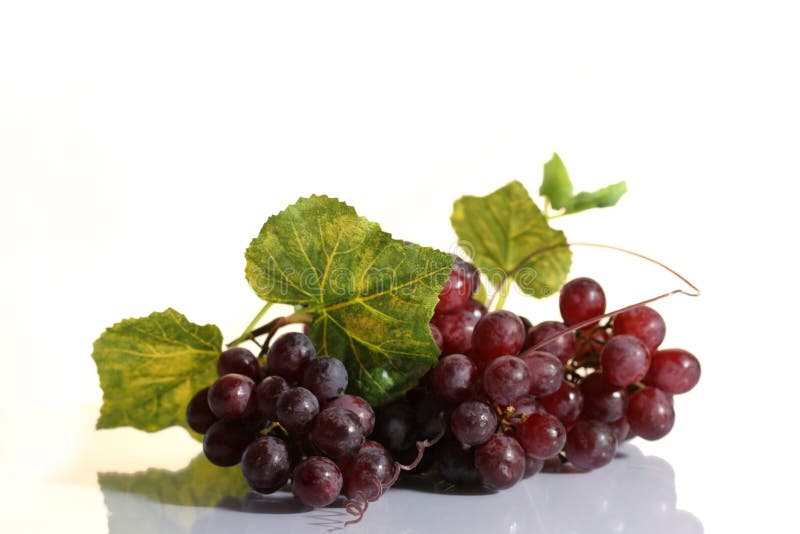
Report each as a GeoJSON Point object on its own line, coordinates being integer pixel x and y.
{"type": "Point", "coordinates": [337, 432]}
{"type": "Point", "coordinates": [601, 400]}
{"type": "Point", "coordinates": [541, 435]}
{"type": "Point", "coordinates": [296, 408]}
{"type": "Point", "coordinates": [457, 289]}
{"type": "Point", "coordinates": [546, 371]}
{"type": "Point", "coordinates": [199, 416]}
{"type": "Point", "coordinates": [532, 466]}
{"type": "Point", "coordinates": [581, 299]}
{"type": "Point", "coordinates": [436, 334]}
{"type": "Point", "coordinates": [288, 354]}
{"type": "Point", "coordinates": [473, 275]}
{"type": "Point", "coordinates": [506, 379]}
{"type": "Point", "coordinates": [429, 416]}
{"type": "Point", "coordinates": [394, 427]}
{"type": "Point", "coordinates": [225, 441]}
{"type": "Point", "coordinates": [325, 377]}
{"type": "Point", "coordinates": [454, 378]}
{"type": "Point", "coordinates": [500, 462]}
{"type": "Point", "coordinates": [266, 464]}
{"type": "Point", "coordinates": [496, 334]}
{"type": "Point", "coordinates": [238, 360]}
{"type": "Point", "coordinates": [317, 481]}
{"type": "Point", "coordinates": [232, 397]}
{"type": "Point", "coordinates": [524, 407]}
{"type": "Point", "coordinates": [621, 429]}
{"type": "Point", "coordinates": [367, 473]}
{"type": "Point", "coordinates": [360, 407]}
{"type": "Point", "coordinates": [673, 371]}
{"type": "Point", "coordinates": [642, 322]}
{"type": "Point", "coordinates": [566, 403]}
{"type": "Point", "coordinates": [456, 464]}
{"type": "Point", "coordinates": [473, 423]}
{"type": "Point", "coordinates": [624, 360]}
{"type": "Point", "coordinates": [650, 413]}
{"type": "Point", "coordinates": [563, 347]}
{"type": "Point", "coordinates": [267, 393]}
{"type": "Point", "coordinates": [590, 444]}
{"type": "Point", "coordinates": [457, 327]}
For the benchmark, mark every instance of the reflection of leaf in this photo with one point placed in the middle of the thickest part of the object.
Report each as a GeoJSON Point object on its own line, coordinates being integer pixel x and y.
{"type": "Point", "coordinates": [201, 483]}
{"type": "Point", "coordinates": [503, 229]}
{"type": "Point", "coordinates": [150, 367]}
{"type": "Point", "coordinates": [371, 296]}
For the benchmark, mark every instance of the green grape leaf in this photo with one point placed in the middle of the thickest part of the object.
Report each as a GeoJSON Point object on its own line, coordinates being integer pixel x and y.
{"type": "Point", "coordinates": [371, 296]}
{"type": "Point", "coordinates": [151, 367]}
{"type": "Point", "coordinates": [201, 483]}
{"type": "Point", "coordinates": [507, 234]}
{"type": "Point", "coordinates": [556, 185]}
{"type": "Point", "coordinates": [602, 198]}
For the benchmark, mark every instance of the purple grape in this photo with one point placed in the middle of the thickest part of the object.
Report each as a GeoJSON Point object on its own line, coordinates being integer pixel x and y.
{"type": "Point", "coordinates": [325, 377]}
{"type": "Point", "coordinates": [532, 466]}
{"type": "Point", "coordinates": [232, 397]}
{"type": "Point", "coordinates": [624, 360]}
{"type": "Point", "coordinates": [296, 408]}
{"type": "Point", "coordinates": [643, 323]}
{"type": "Point", "coordinates": [457, 289]}
{"type": "Point", "coordinates": [602, 401]}
{"type": "Point", "coordinates": [454, 378]}
{"type": "Point", "coordinates": [288, 355]}
{"type": "Point", "coordinates": [563, 347]}
{"type": "Point", "coordinates": [546, 371]}
{"type": "Point", "coordinates": [621, 429]}
{"type": "Point", "coordinates": [456, 464]}
{"type": "Point", "coordinates": [267, 393]}
{"type": "Point", "coordinates": [673, 371]}
{"type": "Point", "coordinates": [337, 432]}
{"type": "Point", "coordinates": [473, 423]}
{"type": "Point", "coordinates": [497, 334]}
{"type": "Point", "coordinates": [316, 481]}
{"type": "Point", "coordinates": [566, 403]}
{"type": "Point", "coordinates": [225, 441]}
{"type": "Point", "coordinates": [457, 327]}
{"type": "Point", "coordinates": [472, 273]}
{"type": "Point", "coordinates": [358, 406]}
{"type": "Point", "coordinates": [541, 435]}
{"type": "Point", "coordinates": [238, 360]}
{"type": "Point", "coordinates": [500, 462]}
{"type": "Point", "coordinates": [506, 379]}
{"type": "Point", "coordinates": [590, 444]}
{"type": "Point", "coordinates": [650, 413]}
{"type": "Point", "coordinates": [266, 464]}
{"type": "Point", "coordinates": [394, 427]}
{"type": "Point", "coordinates": [199, 416]}
{"type": "Point", "coordinates": [581, 299]}
{"type": "Point", "coordinates": [367, 473]}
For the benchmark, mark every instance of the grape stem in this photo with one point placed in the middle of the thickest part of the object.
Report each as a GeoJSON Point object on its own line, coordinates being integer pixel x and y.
{"type": "Point", "coordinates": [271, 327]}
{"type": "Point", "coordinates": [246, 334]}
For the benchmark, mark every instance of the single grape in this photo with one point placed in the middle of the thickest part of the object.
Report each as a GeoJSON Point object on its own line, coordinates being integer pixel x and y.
{"type": "Point", "coordinates": [621, 429]}
{"type": "Point", "coordinates": [601, 400]}
{"type": "Point", "coordinates": [457, 327]}
{"type": "Point", "coordinates": [367, 473]}
{"type": "Point", "coordinates": [673, 371]}
{"type": "Point", "coordinates": [532, 466]}
{"type": "Point", "coordinates": [288, 355]}
{"type": "Point", "coordinates": [360, 407]}
{"type": "Point", "coordinates": [541, 435]}
{"type": "Point", "coordinates": [650, 413]}
{"type": "Point", "coordinates": [436, 334]}
{"type": "Point", "coordinates": [624, 360]}
{"type": "Point", "coordinates": [394, 426]}
{"type": "Point", "coordinates": [457, 289]}
{"type": "Point", "coordinates": [456, 464]}
{"type": "Point", "coordinates": [566, 403]}
{"type": "Point", "coordinates": [472, 273]}
{"type": "Point", "coordinates": [267, 393]}
{"type": "Point", "coordinates": [506, 379]}
{"type": "Point", "coordinates": [563, 347]}
{"type": "Point", "coordinates": [337, 432]}
{"type": "Point", "coordinates": [316, 481]}
{"type": "Point", "coordinates": [524, 407]}
{"type": "Point", "coordinates": [225, 441]}
{"type": "Point", "coordinates": [232, 397]}
{"type": "Point", "coordinates": [325, 377]}
{"type": "Point", "coordinates": [296, 408]}
{"type": "Point", "coordinates": [590, 444]}
{"type": "Point", "coordinates": [581, 299]}
{"type": "Point", "coordinates": [199, 416]}
{"type": "Point", "coordinates": [473, 423]}
{"type": "Point", "coordinates": [545, 369]}
{"type": "Point", "coordinates": [500, 462]}
{"type": "Point", "coordinates": [497, 334]}
{"type": "Point", "coordinates": [238, 360]}
{"type": "Point", "coordinates": [429, 416]}
{"type": "Point", "coordinates": [454, 378]}
{"type": "Point", "coordinates": [642, 322]}
{"type": "Point", "coordinates": [266, 465]}
{"type": "Point", "coordinates": [370, 445]}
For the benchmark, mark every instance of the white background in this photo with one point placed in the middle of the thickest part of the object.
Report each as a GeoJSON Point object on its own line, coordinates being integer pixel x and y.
{"type": "Point", "coordinates": [142, 145]}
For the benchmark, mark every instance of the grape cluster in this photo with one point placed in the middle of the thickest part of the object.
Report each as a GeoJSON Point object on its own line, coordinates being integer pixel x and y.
{"type": "Point", "coordinates": [518, 394]}
{"type": "Point", "coordinates": [291, 421]}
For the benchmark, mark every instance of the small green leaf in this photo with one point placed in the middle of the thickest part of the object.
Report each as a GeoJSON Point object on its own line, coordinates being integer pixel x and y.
{"type": "Point", "coordinates": [556, 185]}
{"type": "Point", "coordinates": [602, 198]}
{"type": "Point", "coordinates": [507, 234]}
{"type": "Point", "coordinates": [201, 483]}
{"type": "Point", "coordinates": [371, 296]}
{"type": "Point", "coordinates": [151, 367]}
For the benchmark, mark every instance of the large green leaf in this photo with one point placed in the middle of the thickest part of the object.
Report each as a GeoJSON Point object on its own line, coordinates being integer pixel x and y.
{"type": "Point", "coordinates": [507, 234]}
{"type": "Point", "coordinates": [371, 296]}
{"type": "Point", "coordinates": [151, 367]}
{"type": "Point", "coordinates": [201, 483]}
